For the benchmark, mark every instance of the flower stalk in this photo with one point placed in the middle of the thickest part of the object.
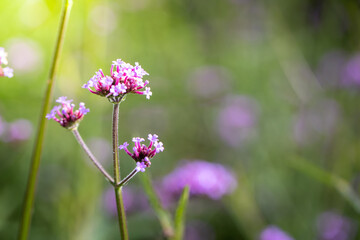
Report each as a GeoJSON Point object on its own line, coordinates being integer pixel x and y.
{"type": "Point", "coordinates": [128, 177]}
{"type": "Point", "coordinates": [91, 156]}
{"type": "Point", "coordinates": [35, 162]}
{"type": "Point", "coordinates": [118, 191]}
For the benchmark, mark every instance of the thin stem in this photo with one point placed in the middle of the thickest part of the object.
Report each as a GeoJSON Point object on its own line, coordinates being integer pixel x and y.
{"type": "Point", "coordinates": [118, 192]}
{"type": "Point", "coordinates": [127, 178]}
{"type": "Point", "coordinates": [91, 156]}
{"type": "Point", "coordinates": [115, 138]}
{"type": "Point", "coordinates": [35, 160]}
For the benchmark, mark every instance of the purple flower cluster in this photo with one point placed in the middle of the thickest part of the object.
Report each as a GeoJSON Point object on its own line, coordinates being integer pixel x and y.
{"type": "Point", "coordinates": [332, 226]}
{"type": "Point", "coordinates": [274, 233]}
{"type": "Point", "coordinates": [66, 116]}
{"type": "Point", "coordinates": [6, 71]}
{"type": "Point", "coordinates": [142, 153]}
{"type": "Point", "coordinates": [203, 178]}
{"type": "Point", "coordinates": [124, 79]}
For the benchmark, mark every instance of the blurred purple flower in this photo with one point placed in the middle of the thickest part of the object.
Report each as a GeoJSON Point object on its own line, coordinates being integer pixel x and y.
{"type": "Point", "coordinates": [209, 82]}
{"type": "Point", "coordinates": [19, 130]}
{"type": "Point", "coordinates": [2, 126]}
{"type": "Point", "coordinates": [274, 233]}
{"type": "Point", "coordinates": [332, 226]}
{"type": "Point", "coordinates": [351, 72]}
{"type": "Point", "coordinates": [318, 120]}
{"type": "Point", "coordinates": [134, 200]}
{"type": "Point", "coordinates": [237, 120]}
{"type": "Point", "coordinates": [330, 68]}
{"type": "Point", "coordinates": [204, 178]}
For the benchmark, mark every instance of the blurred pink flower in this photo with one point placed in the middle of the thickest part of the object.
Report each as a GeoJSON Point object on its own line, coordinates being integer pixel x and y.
{"type": "Point", "coordinates": [209, 81]}
{"type": "Point", "coordinates": [274, 233]}
{"type": "Point", "coordinates": [18, 130]}
{"type": "Point", "coordinates": [5, 71]}
{"type": "Point", "coordinates": [25, 55]}
{"type": "Point", "coordinates": [2, 126]}
{"type": "Point", "coordinates": [237, 120]}
{"type": "Point", "coordinates": [351, 72]}
{"type": "Point", "coordinates": [333, 226]}
{"type": "Point", "coordinates": [330, 67]}
{"type": "Point", "coordinates": [204, 178]}
{"type": "Point", "coordinates": [102, 19]}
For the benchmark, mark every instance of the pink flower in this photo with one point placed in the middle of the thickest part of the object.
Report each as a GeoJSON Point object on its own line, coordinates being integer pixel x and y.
{"type": "Point", "coordinates": [124, 78]}
{"type": "Point", "coordinates": [142, 153]}
{"type": "Point", "coordinates": [65, 114]}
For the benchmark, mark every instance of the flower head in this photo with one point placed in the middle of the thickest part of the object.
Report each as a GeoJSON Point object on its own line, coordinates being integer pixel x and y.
{"type": "Point", "coordinates": [5, 72]}
{"type": "Point", "coordinates": [124, 78]}
{"type": "Point", "coordinates": [142, 153]}
{"type": "Point", "coordinates": [203, 178]}
{"type": "Point", "coordinates": [66, 115]}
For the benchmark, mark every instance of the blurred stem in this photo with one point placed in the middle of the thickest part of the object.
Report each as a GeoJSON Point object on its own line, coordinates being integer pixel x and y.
{"type": "Point", "coordinates": [91, 156]}
{"type": "Point", "coordinates": [163, 215]}
{"type": "Point", "coordinates": [35, 161]}
{"type": "Point", "coordinates": [118, 192]}
{"type": "Point", "coordinates": [127, 178]}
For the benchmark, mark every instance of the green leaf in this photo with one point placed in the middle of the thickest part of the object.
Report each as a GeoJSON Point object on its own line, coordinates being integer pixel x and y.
{"type": "Point", "coordinates": [163, 215]}
{"type": "Point", "coordinates": [180, 214]}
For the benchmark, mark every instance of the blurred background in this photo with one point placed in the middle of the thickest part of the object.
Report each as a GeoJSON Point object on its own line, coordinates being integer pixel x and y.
{"type": "Point", "coordinates": [262, 96]}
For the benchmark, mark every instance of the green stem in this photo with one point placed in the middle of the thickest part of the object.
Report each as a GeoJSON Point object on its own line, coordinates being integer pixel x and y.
{"type": "Point", "coordinates": [118, 192]}
{"type": "Point", "coordinates": [35, 161]}
{"type": "Point", "coordinates": [91, 156]}
{"type": "Point", "coordinates": [127, 178]}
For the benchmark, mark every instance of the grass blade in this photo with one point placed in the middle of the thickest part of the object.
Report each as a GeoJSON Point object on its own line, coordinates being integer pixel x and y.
{"type": "Point", "coordinates": [163, 215]}
{"type": "Point", "coordinates": [180, 214]}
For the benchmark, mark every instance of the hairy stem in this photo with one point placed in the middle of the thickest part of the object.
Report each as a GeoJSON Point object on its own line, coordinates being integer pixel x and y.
{"type": "Point", "coordinates": [118, 191]}
{"type": "Point", "coordinates": [35, 160]}
{"type": "Point", "coordinates": [91, 156]}
{"type": "Point", "coordinates": [128, 177]}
